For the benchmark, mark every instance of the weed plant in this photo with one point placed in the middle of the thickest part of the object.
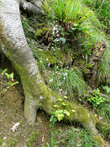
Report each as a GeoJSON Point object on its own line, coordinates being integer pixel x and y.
{"type": "Point", "coordinates": [96, 99]}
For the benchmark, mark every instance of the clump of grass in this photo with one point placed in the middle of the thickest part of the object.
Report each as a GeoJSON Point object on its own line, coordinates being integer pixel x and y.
{"type": "Point", "coordinates": [74, 138]}
{"type": "Point", "coordinates": [104, 111]}
{"type": "Point", "coordinates": [68, 82]}
{"type": "Point", "coordinates": [104, 68]}
{"type": "Point", "coordinates": [64, 11]}
{"type": "Point", "coordinates": [11, 143]}
{"type": "Point", "coordinates": [32, 138]}
{"type": "Point", "coordinates": [75, 22]}
{"type": "Point", "coordinates": [93, 32]}
{"type": "Point", "coordinates": [102, 8]}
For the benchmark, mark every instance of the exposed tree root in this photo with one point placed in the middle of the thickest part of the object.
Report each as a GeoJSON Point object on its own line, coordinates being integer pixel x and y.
{"type": "Point", "coordinates": [31, 8]}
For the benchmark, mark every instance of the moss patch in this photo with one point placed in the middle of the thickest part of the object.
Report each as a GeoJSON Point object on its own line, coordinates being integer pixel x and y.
{"type": "Point", "coordinates": [53, 58]}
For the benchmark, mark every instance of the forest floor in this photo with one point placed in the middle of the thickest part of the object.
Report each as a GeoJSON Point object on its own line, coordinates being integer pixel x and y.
{"type": "Point", "coordinates": [25, 135]}
{"type": "Point", "coordinates": [42, 134]}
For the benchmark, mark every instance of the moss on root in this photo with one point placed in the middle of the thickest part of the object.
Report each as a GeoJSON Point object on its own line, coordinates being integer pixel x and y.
{"type": "Point", "coordinates": [53, 58]}
{"type": "Point", "coordinates": [103, 127]}
{"type": "Point", "coordinates": [98, 139]}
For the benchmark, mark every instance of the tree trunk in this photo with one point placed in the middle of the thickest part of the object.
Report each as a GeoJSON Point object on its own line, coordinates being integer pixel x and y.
{"type": "Point", "coordinates": [37, 94]}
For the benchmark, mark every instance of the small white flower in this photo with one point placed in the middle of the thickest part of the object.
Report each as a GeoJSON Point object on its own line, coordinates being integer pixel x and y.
{"type": "Point", "coordinates": [50, 80]}
{"type": "Point", "coordinates": [59, 93]}
{"type": "Point", "coordinates": [60, 89]}
{"type": "Point", "coordinates": [53, 32]}
{"type": "Point", "coordinates": [48, 64]}
{"type": "Point", "coordinates": [47, 59]}
{"type": "Point", "coordinates": [40, 81]}
{"type": "Point", "coordinates": [4, 138]}
{"type": "Point", "coordinates": [65, 74]}
{"type": "Point", "coordinates": [57, 35]}
{"type": "Point", "coordinates": [58, 48]}
{"type": "Point", "coordinates": [54, 28]}
{"type": "Point", "coordinates": [67, 67]}
{"type": "Point", "coordinates": [41, 97]}
{"type": "Point", "coordinates": [56, 39]}
{"type": "Point", "coordinates": [57, 67]}
{"type": "Point", "coordinates": [64, 78]}
{"type": "Point", "coordinates": [40, 61]}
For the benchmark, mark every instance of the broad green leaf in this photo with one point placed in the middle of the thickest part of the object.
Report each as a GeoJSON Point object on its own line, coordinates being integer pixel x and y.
{"type": "Point", "coordinates": [60, 99]}
{"type": "Point", "coordinates": [65, 97]}
{"type": "Point", "coordinates": [63, 40]}
{"type": "Point", "coordinates": [56, 106]}
{"type": "Point", "coordinates": [60, 116]}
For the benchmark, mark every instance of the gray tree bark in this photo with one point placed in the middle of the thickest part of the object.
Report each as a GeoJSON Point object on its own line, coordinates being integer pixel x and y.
{"type": "Point", "coordinates": [37, 94]}
{"type": "Point", "coordinates": [33, 7]}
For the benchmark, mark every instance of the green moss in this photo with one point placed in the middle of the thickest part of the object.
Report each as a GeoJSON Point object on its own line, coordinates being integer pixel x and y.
{"type": "Point", "coordinates": [40, 24]}
{"type": "Point", "coordinates": [98, 140]}
{"type": "Point", "coordinates": [85, 70]}
{"type": "Point", "coordinates": [37, 33]}
{"type": "Point", "coordinates": [89, 65]}
{"type": "Point", "coordinates": [93, 118]}
{"type": "Point", "coordinates": [44, 29]}
{"type": "Point", "coordinates": [80, 63]}
{"type": "Point", "coordinates": [77, 113]}
{"type": "Point", "coordinates": [104, 128]}
{"type": "Point", "coordinates": [53, 58]}
{"type": "Point", "coordinates": [45, 6]}
{"type": "Point", "coordinates": [40, 32]}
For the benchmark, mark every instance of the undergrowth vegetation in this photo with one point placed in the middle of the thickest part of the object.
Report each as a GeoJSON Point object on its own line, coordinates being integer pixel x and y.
{"type": "Point", "coordinates": [71, 138]}
{"type": "Point", "coordinates": [73, 27]}
{"type": "Point", "coordinates": [68, 82]}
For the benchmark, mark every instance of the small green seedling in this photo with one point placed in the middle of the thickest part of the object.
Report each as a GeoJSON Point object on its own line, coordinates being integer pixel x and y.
{"type": "Point", "coordinates": [10, 77]}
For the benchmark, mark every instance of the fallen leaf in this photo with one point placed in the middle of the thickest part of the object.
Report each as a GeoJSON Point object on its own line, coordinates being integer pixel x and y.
{"type": "Point", "coordinates": [15, 127]}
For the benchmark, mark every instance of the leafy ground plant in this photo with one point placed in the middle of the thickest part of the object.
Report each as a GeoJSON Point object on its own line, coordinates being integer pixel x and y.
{"type": "Point", "coordinates": [10, 77]}
{"type": "Point", "coordinates": [96, 99]}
